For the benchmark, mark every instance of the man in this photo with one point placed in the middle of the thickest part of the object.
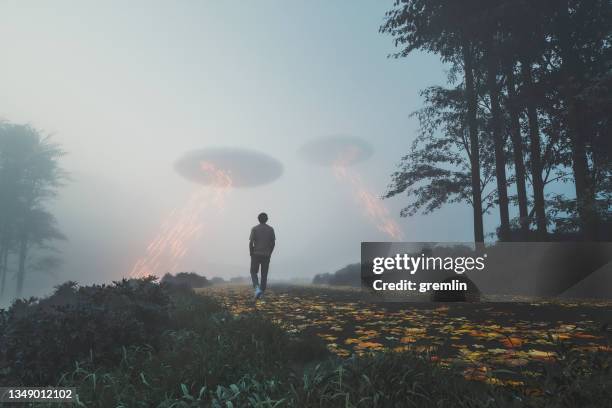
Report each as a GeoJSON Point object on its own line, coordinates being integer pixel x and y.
{"type": "Point", "coordinates": [261, 245]}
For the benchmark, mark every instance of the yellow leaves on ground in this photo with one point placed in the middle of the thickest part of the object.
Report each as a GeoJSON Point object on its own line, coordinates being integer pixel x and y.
{"type": "Point", "coordinates": [466, 354]}
{"type": "Point", "coordinates": [366, 334]}
{"type": "Point", "coordinates": [509, 383]}
{"type": "Point", "coordinates": [516, 361]}
{"type": "Point", "coordinates": [542, 355]}
{"type": "Point", "coordinates": [511, 342]}
{"type": "Point", "coordinates": [476, 373]}
{"type": "Point", "coordinates": [560, 336]}
{"type": "Point", "coordinates": [484, 374]}
{"type": "Point", "coordinates": [369, 345]}
{"type": "Point", "coordinates": [327, 337]}
{"type": "Point", "coordinates": [585, 336]}
{"type": "Point", "coordinates": [334, 348]}
{"type": "Point", "coordinates": [491, 337]}
{"type": "Point", "coordinates": [414, 330]}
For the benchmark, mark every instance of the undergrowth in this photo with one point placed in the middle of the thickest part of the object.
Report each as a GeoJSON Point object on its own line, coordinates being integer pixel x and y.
{"type": "Point", "coordinates": [137, 343]}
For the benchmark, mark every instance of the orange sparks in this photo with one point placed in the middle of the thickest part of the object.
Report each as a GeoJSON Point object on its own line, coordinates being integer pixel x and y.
{"type": "Point", "coordinates": [374, 208]}
{"type": "Point", "coordinates": [182, 226]}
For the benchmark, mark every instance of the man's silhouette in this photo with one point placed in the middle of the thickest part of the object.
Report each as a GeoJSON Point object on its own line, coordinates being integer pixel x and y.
{"type": "Point", "coordinates": [261, 245]}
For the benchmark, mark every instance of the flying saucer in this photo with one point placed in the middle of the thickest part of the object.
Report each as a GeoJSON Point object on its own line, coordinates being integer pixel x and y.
{"type": "Point", "coordinates": [336, 150]}
{"type": "Point", "coordinates": [244, 167]}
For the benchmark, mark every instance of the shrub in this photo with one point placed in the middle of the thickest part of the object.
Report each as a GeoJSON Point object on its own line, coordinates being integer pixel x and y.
{"type": "Point", "coordinates": [43, 337]}
{"type": "Point", "coordinates": [217, 280]}
{"type": "Point", "coordinates": [189, 361]}
{"type": "Point", "coordinates": [350, 275]}
{"type": "Point", "coordinates": [187, 279]}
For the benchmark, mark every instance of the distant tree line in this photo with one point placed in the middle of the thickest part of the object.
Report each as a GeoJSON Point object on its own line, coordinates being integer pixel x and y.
{"type": "Point", "coordinates": [194, 280]}
{"type": "Point", "coordinates": [528, 106]}
{"type": "Point", "coordinates": [187, 279]}
{"type": "Point", "coordinates": [30, 176]}
{"type": "Point", "coordinates": [350, 275]}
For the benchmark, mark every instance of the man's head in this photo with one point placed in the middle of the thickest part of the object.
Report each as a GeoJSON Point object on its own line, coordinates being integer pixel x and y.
{"type": "Point", "coordinates": [262, 217]}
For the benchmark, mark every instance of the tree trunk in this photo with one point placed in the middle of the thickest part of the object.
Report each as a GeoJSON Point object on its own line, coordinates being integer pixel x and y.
{"type": "Point", "coordinates": [534, 145]}
{"type": "Point", "coordinates": [3, 267]}
{"type": "Point", "coordinates": [470, 94]}
{"type": "Point", "coordinates": [585, 194]}
{"type": "Point", "coordinates": [583, 181]}
{"type": "Point", "coordinates": [517, 150]}
{"type": "Point", "coordinates": [23, 252]}
{"type": "Point", "coordinates": [498, 141]}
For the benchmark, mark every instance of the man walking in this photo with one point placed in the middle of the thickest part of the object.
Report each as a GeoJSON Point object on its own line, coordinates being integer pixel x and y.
{"type": "Point", "coordinates": [261, 245]}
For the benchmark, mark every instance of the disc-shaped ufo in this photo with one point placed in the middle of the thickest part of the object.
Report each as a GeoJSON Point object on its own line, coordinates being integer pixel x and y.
{"type": "Point", "coordinates": [336, 150]}
{"type": "Point", "coordinates": [244, 167]}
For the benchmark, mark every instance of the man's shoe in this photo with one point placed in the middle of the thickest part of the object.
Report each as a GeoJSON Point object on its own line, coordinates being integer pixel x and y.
{"type": "Point", "coordinates": [258, 293]}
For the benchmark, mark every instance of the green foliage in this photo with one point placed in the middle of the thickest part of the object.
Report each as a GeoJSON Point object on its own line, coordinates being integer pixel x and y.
{"type": "Point", "coordinates": [576, 380]}
{"type": "Point", "coordinates": [189, 361]}
{"type": "Point", "coordinates": [137, 333]}
{"type": "Point", "coordinates": [437, 169]}
{"type": "Point", "coordinates": [137, 343]}
{"type": "Point", "coordinates": [188, 279]}
{"type": "Point", "coordinates": [30, 176]}
{"type": "Point", "coordinates": [536, 71]}
{"type": "Point", "coordinates": [406, 379]}
{"type": "Point", "coordinates": [381, 380]}
{"type": "Point", "coordinates": [41, 338]}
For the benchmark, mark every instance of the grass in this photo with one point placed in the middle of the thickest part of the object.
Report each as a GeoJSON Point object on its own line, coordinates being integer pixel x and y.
{"type": "Point", "coordinates": [187, 378]}
{"type": "Point", "coordinates": [205, 356]}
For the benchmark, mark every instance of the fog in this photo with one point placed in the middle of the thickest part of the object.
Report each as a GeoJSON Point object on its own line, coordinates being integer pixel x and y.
{"type": "Point", "coordinates": [335, 150]}
{"type": "Point", "coordinates": [127, 88]}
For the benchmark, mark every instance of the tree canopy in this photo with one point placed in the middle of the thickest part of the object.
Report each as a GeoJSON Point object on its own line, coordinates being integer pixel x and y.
{"type": "Point", "coordinates": [30, 176]}
{"type": "Point", "coordinates": [528, 109]}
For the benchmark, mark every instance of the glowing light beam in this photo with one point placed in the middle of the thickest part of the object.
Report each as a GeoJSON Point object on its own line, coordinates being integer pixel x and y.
{"type": "Point", "coordinates": [374, 209]}
{"type": "Point", "coordinates": [182, 226]}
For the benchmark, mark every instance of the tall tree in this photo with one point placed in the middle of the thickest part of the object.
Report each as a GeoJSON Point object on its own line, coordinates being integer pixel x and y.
{"type": "Point", "coordinates": [437, 170]}
{"type": "Point", "coordinates": [534, 147]}
{"type": "Point", "coordinates": [509, 16]}
{"type": "Point", "coordinates": [522, 23]}
{"type": "Point", "coordinates": [471, 101]}
{"type": "Point", "coordinates": [498, 139]}
{"type": "Point", "coordinates": [539, 69]}
{"type": "Point", "coordinates": [439, 26]}
{"type": "Point", "coordinates": [30, 176]}
{"type": "Point", "coordinates": [514, 126]}
{"type": "Point", "coordinates": [582, 30]}
{"type": "Point", "coordinates": [37, 229]}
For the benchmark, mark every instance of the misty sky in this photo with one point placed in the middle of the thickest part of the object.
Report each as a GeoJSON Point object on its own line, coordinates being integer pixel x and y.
{"type": "Point", "coordinates": [128, 87]}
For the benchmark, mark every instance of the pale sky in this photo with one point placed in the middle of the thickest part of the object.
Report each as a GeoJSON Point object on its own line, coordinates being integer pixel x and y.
{"type": "Point", "coordinates": [129, 86]}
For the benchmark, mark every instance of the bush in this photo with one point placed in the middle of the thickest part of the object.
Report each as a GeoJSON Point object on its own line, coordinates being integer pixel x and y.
{"type": "Point", "coordinates": [350, 275]}
{"type": "Point", "coordinates": [43, 337]}
{"type": "Point", "coordinates": [135, 328]}
{"type": "Point", "coordinates": [217, 280]}
{"type": "Point", "coordinates": [189, 361]}
{"type": "Point", "coordinates": [187, 279]}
